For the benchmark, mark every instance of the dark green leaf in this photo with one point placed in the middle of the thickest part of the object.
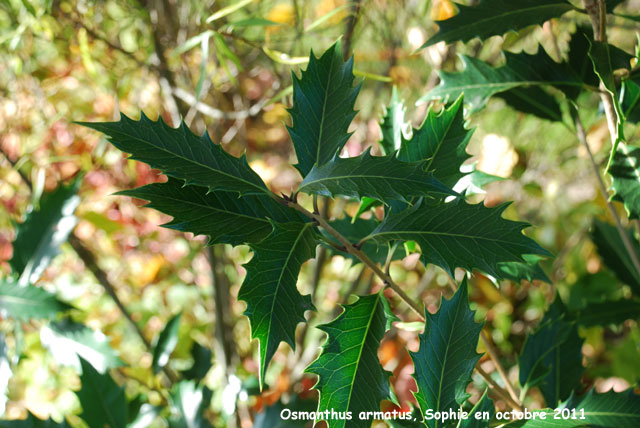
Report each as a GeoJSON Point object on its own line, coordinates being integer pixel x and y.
{"type": "Point", "coordinates": [102, 400]}
{"type": "Point", "coordinates": [447, 355]}
{"type": "Point", "coordinates": [630, 97]}
{"type": "Point", "coordinates": [33, 422]}
{"type": "Point", "coordinates": [607, 312]}
{"type": "Point", "coordinates": [28, 302]}
{"type": "Point", "coordinates": [42, 232]}
{"type": "Point", "coordinates": [613, 253]}
{"type": "Point", "coordinates": [380, 177]}
{"type": "Point", "coordinates": [223, 216]}
{"type": "Point", "coordinates": [458, 234]}
{"type": "Point", "coordinates": [166, 343]}
{"type": "Point", "coordinates": [350, 376]}
{"type": "Point", "coordinates": [393, 126]}
{"type": "Point", "coordinates": [354, 231]}
{"type": "Point", "coordinates": [551, 357]}
{"type": "Point", "coordinates": [180, 153]}
{"type": "Point", "coordinates": [188, 403]}
{"type": "Point", "coordinates": [484, 405]}
{"type": "Point", "coordinates": [68, 341]}
{"type": "Point", "coordinates": [271, 417]}
{"type": "Point", "coordinates": [323, 101]}
{"type": "Point", "coordinates": [534, 100]}
{"type": "Point", "coordinates": [625, 171]}
{"type": "Point", "coordinates": [201, 362]}
{"type": "Point", "coordinates": [479, 81]}
{"type": "Point", "coordinates": [579, 61]}
{"type": "Point", "coordinates": [496, 17]}
{"type": "Point", "coordinates": [441, 140]}
{"type": "Point", "coordinates": [274, 304]}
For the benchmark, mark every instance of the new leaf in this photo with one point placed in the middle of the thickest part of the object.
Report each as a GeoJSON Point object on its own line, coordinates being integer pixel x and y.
{"type": "Point", "coordinates": [274, 305]}
{"type": "Point", "coordinates": [447, 355]}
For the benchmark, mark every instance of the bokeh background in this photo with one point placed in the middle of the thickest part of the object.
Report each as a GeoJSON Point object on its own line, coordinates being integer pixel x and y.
{"type": "Point", "coordinates": [227, 71]}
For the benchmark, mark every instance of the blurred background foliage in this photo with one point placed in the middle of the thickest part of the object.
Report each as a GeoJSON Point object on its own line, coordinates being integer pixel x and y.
{"type": "Point", "coordinates": [225, 67]}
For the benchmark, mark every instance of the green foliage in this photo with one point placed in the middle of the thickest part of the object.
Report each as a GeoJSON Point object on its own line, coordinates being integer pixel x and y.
{"type": "Point", "coordinates": [26, 302]}
{"type": "Point", "coordinates": [447, 356]}
{"type": "Point", "coordinates": [612, 251]}
{"type": "Point", "coordinates": [484, 404]}
{"type": "Point", "coordinates": [102, 400]}
{"type": "Point", "coordinates": [393, 126]}
{"type": "Point", "coordinates": [33, 422]}
{"type": "Point", "coordinates": [166, 343]}
{"type": "Point", "coordinates": [625, 170]}
{"type": "Point", "coordinates": [189, 400]}
{"type": "Point", "coordinates": [607, 312]}
{"type": "Point", "coordinates": [350, 377]}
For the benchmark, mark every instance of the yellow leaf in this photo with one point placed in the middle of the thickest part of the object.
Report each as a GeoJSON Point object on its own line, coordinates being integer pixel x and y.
{"type": "Point", "coordinates": [442, 9]}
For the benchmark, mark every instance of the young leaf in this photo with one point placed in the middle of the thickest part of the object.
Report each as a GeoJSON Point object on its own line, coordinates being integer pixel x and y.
{"type": "Point", "coordinates": [179, 153]}
{"type": "Point", "coordinates": [188, 403]}
{"type": "Point", "coordinates": [42, 232]}
{"type": "Point", "coordinates": [612, 252]}
{"type": "Point", "coordinates": [69, 341]}
{"type": "Point", "coordinates": [607, 312]}
{"type": "Point", "coordinates": [495, 17]}
{"type": "Point", "coordinates": [479, 81]}
{"type": "Point", "coordinates": [447, 355]}
{"type": "Point", "coordinates": [458, 234]}
{"type": "Point", "coordinates": [33, 422]}
{"type": "Point", "coordinates": [483, 406]}
{"type": "Point", "coordinates": [103, 402]}
{"type": "Point", "coordinates": [28, 302]}
{"type": "Point", "coordinates": [393, 126]}
{"type": "Point", "coordinates": [166, 343]}
{"type": "Point", "coordinates": [625, 171]}
{"type": "Point", "coordinates": [350, 376]}
{"type": "Point", "coordinates": [381, 177]}
{"type": "Point", "coordinates": [551, 357]}
{"type": "Point", "coordinates": [274, 305]}
{"type": "Point", "coordinates": [323, 101]}
{"type": "Point", "coordinates": [441, 140]}
{"type": "Point", "coordinates": [223, 216]}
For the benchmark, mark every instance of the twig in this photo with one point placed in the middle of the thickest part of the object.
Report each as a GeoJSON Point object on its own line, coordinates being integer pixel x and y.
{"type": "Point", "coordinates": [351, 19]}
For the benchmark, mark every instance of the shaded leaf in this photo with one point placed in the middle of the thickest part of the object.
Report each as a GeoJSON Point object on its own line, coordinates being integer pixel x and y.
{"type": "Point", "coordinates": [495, 17]}
{"type": "Point", "coordinates": [484, 404]}
{"type": "Point", "coordinates": [607, 312]}
{"type": "Point", "coordinates": [630, 97]}
{"type": "Point", "coordinates": [393, 126]}
{"type": "Point", "coordinates": [33, 422]}
{"type": "Point", "coordinates": [188, 403]}
{"type": "Point", "coordinates": [274, 304]}
{"type": "Point", "coordinates": [458, 234]}
{"type": "Point", "coordinates": [201, 362]}
{"type": "Point", "coordinates": [179, 153]}
{"type": "Point", "coordinates": [102, 400]}
{"type": "Point", "coordinates": [323, 101]}
{"type": "Point", "coordinates": [447, 355]}
{"type": "Point", "coordinates": [625, 171]}
{"type": "Point", "coordinates": [166, 343]}
{"type": "Point", "coordinates": [39, 237]}
{"type": "Point", "coordinates": [380, 177]}
{"type": "Point", "coordinates": [28, 302]}
{"type": "Point", "coordinates": [271, 417]}
{"type": "Point", "coordinates": [528, 270]}
{"type": "Point", "coordinates": [534, 100]}
{"type": "Point", "coordinates": [355, 231]}
{"type": "Point", "coordinates": [441, 141]}
{"type": "Point", "coordinates": [350, 376]}
{"type": "Point", "coordinates": [613, 253]}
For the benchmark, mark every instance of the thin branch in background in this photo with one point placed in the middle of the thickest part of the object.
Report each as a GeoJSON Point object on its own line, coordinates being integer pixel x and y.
{"type": "Point", "coordinates": [350, 26]}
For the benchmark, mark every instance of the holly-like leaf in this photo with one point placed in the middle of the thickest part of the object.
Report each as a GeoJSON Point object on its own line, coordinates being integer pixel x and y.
{"type": "Point", "coordinates": [551, 357]}
{"type": "Point", "coordinates": [350, 376]}
{"type": "Point", "coordinates": [442, 141]}
{"type": "Point", "coordinates": [102, 400]}
{"type": "Point", "coordinates": [167, 341]}
{"type": "Point", "coordinates": [607, 312]}
{"type": "Point", "coordinates": [611, 409]}
{"type": "Point", "coordinates": [274, 304]}
{"type": "Point", "coordinates": [323, 101]}
{"type": "Point", "coordinates": [69, 341]}
{"type": "Point", "coordinates": [625, 171]}
{"type": "Point", "coordinates": [223, 216]}
{"type": "Point", "coordinates": [380, 177]}
{"type": "Point", "coordinates": [447, 355]}
{"type": "Point", "coordinates": [26, 302]}
{"type": "Point", "coordinates": [33, 422]}
{"type": "Point", "coordinates": [495, 17]}
{"type": "Point", "coordinates": [39, 237]}
{"type": "Point", "coordinates": [479, 80]}
{"type": "Point", "coordinates": [179, 153]}
{"type": "Point", "coordinates": [606, 59]}
{"type": "Point", "coordinates": [534, 100]}
{"type": "Point", "coordinates": [458, 234]}
{"type": "Point", "coordinates": [188, 403]}
{"type": "Point", "coordinates": [483, 407]}
{"type": "Point", "coordinates": [393, 126]}
{"type": "Point", "coordinates": [613, 253]}
{"type": "Point", "coordinates": [271, 416]}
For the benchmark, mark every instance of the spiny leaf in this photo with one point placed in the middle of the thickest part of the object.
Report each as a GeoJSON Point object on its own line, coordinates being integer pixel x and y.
{"type": "Point", "coordinates": [103, 402]}
{"type": "Point", "coordinates": [607, 312]}
{"type": "Point", "coordinates": [447, 355]}
{"type": "Point", "coordinates": [167, 341]}
{"type": "Point", "coordinates": [458, 234]}
{"type": "Point", "coordinates": [33, 422]}
{"type": "Point", "coordinates": [630, 97]}
{"type": "Point", "coordinates": [393, 126]}
{"type": "Point", "coordinates": [496, 17]}
{"type": "Point", "coordinates": [613, 253]}
{"type": "Point", "coordinates": [43, 230]}
{"type": "Point", "coordinates": [69, 341]}
{"type": "Point", "coordinates": [442, 141]}
{"type": "Point", "coordinates": [611, 409]}
{"type": "Point", "coordinates": [179, 153]}
{"type": "Point", "coordinates": [381, 177]}
{"type": "Point", "coordinates": [479, 81]}
{"type": "Point", "coordinates": [323, 101]}
{"type": "Point", "coordinates": [551, 357]}
{"type": "Point", "coordinates": [606, 60]}
{"type": "Point", "coordinates": [26, 302]}
{"type": "Point", "coordinates": [350, 376]}
{"type": "Point", "coordinates": [223, 216]}
{"type": "Point", "coordinates": [625, 171]}
{"type": "Point", "coordinates": [188, 403]}
{"type": "Point", "coordinates": [485, 404]}
{"type": "Point", "coordinates": [274, 305]}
